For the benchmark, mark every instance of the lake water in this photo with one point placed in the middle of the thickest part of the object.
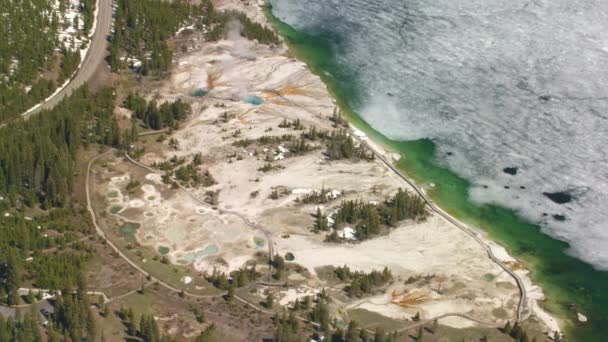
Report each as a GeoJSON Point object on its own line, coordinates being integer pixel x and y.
{"type": "Point", "coordinates": [503, 106]}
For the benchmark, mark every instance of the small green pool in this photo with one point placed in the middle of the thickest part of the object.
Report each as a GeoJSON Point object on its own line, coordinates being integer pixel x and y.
{"type": "Point", "coordinates": [115, 210]}
{"type": "Point", "coordinates": [199, 92]}
{"type": "Point", "coordinates": [208, 250]}
{"type": "Point", "coordinates": [259, 242]}
{"type": "Point", "coordinates": [163, 250]}
{"type": "Point", "coordinates": [254, 100]}
{"type": "Point", "coordinates": [289, 256]}
{"type": "Point", "coordinates": [128, 230]}
{"type": "Point", "coordinates": [187, 259]}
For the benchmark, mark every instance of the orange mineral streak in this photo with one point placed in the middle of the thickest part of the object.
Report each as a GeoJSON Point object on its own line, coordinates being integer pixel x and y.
{"type": "Point", "coordinates": [407, 299]}
{"type": "Point", "coordinates": [294, 90]}
{"type": "Point", "coordinates": [212, 78]}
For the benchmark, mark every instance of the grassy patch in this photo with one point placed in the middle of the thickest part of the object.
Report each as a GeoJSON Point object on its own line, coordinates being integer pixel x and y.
{"type": "Point", "coordinates": [489, 277]}
{"type": "Point", "coordinates": [371, 320]}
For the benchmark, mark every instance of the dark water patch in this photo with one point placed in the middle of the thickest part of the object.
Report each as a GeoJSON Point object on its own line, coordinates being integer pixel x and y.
{"type": "Point", "coordinates": [163, 250]}
{"type": "Point", "coordinates": [510, 170]}
{"type": "Point", "coordinates": [289, 256]}
{"type": "Point", "coordinates": [560, 197]}
{"type": "Point", "coordinates": [559, 217]}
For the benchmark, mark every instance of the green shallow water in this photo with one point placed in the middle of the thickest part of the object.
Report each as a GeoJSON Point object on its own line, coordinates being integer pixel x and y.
{"type": "Point", "coordinates": [199, 92]}
{"type": "Point", "coordinates": [128, 230]}
{"type": "Point", "coordinates": [569, 284]}
{"type": "Point", "coordinates": [115, 210]}
{"type": "Point", "coordinates": [208, 250]}
{"type": "Point", "coordinates": [259, 242]}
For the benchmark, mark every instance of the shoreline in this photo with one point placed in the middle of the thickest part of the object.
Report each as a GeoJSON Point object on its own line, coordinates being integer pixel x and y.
{"type": "Point", "coordinates": [493, 248]}
{"type": "Point", "coordinates": [496, 252]}
{"type": "Point", "coordinates": [361, 131]}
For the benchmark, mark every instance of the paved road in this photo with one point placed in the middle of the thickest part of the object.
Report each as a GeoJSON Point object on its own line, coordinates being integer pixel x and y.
{"type": "Point", "coordinates": [94, 57]}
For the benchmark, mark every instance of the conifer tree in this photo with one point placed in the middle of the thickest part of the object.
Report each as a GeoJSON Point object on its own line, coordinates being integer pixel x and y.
{"type": "Point", "coordinates": [507, 328]}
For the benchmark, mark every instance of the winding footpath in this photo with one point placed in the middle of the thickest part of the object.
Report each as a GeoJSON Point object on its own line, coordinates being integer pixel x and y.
{"type": "Point", "coordinates": [458, 224]}
{"type": "Point", "coordinates": [269, 237]}
{"type": "Point", "coordinates": [236, 297]}
{"type": "Point", "coordinates": [266, 231]}
{"type": "Point", "coordinates": [434, 208]}
{"type": "Point", "coordinates": [268, 234]}
{"type": "Point", "coordinates": [141, 270]}
{"type": "Point", "coordinates": [101, 233]}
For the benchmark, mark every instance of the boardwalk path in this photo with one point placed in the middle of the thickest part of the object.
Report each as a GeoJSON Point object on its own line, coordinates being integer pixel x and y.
{"type": "Point", "coordinates": [437, 210]}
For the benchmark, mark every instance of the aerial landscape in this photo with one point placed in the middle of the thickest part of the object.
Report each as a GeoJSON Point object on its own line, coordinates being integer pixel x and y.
{"type": "Point", "coordinates": [241, 170]}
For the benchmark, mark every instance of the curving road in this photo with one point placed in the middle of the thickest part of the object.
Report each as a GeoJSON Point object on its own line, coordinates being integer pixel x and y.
{"type": "Point", "coordinates": [94, 57]}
